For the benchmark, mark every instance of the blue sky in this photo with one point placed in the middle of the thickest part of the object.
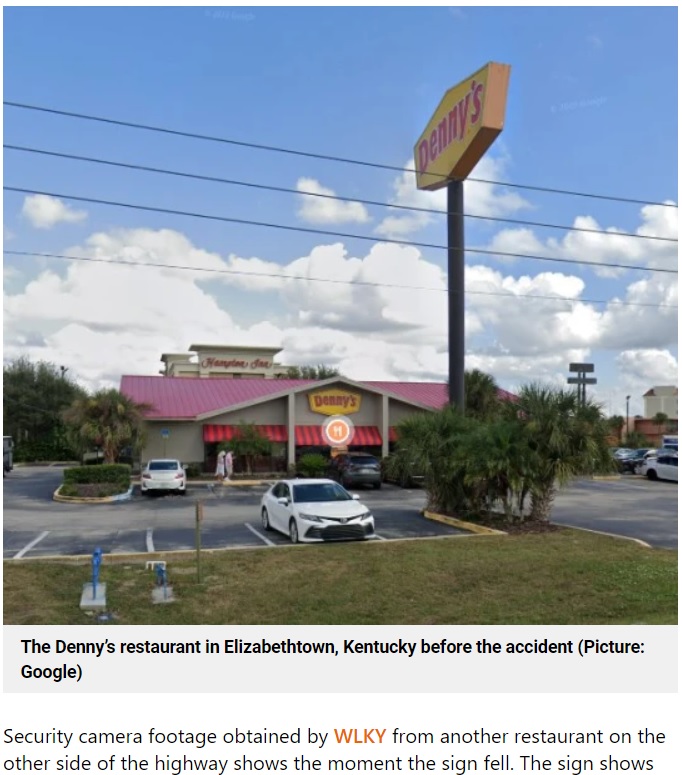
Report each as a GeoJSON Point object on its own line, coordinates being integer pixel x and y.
{"type": "Point", "coordinates": [591, 107]}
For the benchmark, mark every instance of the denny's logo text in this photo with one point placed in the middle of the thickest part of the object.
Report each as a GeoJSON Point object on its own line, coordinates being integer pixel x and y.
{"type": "Point", "coordinates": [334, 402]}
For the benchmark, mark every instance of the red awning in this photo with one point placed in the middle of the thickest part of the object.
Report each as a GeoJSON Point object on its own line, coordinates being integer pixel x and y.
{"type": "Point", "coordinates": [311, 436]}
{"type": "Point", "coordinates": [228, 432]}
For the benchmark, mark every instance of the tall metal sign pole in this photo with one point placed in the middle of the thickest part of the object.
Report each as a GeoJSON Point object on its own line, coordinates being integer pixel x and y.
{"type": "Point", "coordinates": [466, 122]}
{"type": "Point", "coordinates": [582, 380]}
{"type": "Point", "coordinates": [456, 328]}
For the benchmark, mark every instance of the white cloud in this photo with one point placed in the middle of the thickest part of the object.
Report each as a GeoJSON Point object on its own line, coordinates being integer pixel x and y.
{"type": "Point", "coordinates": [319, 209]}
{"type": "Point", "coordinates": [106, 319]}
{"type": "Point", "coordinates": [44, 211]}
{"type": "Point", "coordinates": [649, 367]}
{"type": "Point", "coordinates": [612, 247]}
{"type": "Point", "coordinates": [7, 234]}
{"type": "Point", "coordinates": [480, 199]}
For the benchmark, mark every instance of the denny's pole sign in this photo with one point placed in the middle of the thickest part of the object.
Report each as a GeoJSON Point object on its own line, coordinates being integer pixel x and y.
{"type": "Point", "coordinates": [466, 122]}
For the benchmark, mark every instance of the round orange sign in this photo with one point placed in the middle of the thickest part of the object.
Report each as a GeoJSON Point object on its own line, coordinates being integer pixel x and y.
{"type": "Point", "coordinates": [337, 431]}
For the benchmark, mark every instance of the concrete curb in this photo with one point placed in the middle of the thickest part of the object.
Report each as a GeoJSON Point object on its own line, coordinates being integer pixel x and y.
{"type": "Point", "coordinates": [604, 533]}
{"type": "Point", "coordinates": [458, 523]}
{"type": "Point", "coordinates": [213, 483]}
{"type": "Point", "coordinates": [124, 496]}
{"type": "Point", "coordinates": [607, 478]}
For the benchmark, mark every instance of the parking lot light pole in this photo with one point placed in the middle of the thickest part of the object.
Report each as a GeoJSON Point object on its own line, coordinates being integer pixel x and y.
{"type": "Point", "coordinates": [627, 415]}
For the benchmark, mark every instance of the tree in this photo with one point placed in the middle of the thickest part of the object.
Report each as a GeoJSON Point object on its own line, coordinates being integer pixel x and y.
{"type": "Point", "coordinates": [563, 439]}
{"type": "Point", "coordinates": [660, 420]}
{"type": "Point", "coordinates": [249, 443]}
{"type": "Point", "coordinates": [107, 419]}
{"type": "Point", "coordinates": [480, 395]}
{"type": "Point", "coordinates": [34, 397]}
{"type": "Point", "coordinates": [616, 423]}
{"type": "Point", "coordinates": [312, 372]}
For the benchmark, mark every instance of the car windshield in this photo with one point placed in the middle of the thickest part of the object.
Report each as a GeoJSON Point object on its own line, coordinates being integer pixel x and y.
{"type": "Point", "coordinates": [319, 493]}
{"type": "Point", "coordinates": [363, 461]}
{"type": "Point", "coordinates": [163, 465]}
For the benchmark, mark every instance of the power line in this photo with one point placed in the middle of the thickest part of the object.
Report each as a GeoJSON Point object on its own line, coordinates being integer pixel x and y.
{"type": "Point", "coordinates": [274, 275]}
{"type": "Point", "coordinates": [324, 232]}
{"type": "Point", "coordinates": [280, 189]}
{"type": "Point", "coordinates": [310, 155]}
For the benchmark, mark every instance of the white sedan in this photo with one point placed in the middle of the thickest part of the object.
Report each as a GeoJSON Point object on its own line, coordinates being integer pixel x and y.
{"type": "Point", "coordinates": [163, 475]}
{"type": "Point", "coordinates": [314, 510]}
{"type": "Point", "coordinates": [663, 466]}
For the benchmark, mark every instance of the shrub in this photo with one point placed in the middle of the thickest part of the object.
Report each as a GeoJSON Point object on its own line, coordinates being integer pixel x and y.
{"type": "Point", "coordinates": [34, 451]}
{"type": "Point", "coordinates": [101, 490]}
{"type": "Point", "coordinates": [193, 470]}
{"type": "Point", "coordinates": [111, 473]}
{"type": "Point", "coordinates": [312, 465]}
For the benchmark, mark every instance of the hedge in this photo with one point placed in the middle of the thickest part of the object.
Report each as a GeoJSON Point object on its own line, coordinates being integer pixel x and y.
{"type": "Point", "coordinates": [109, 473]}
{"type": "Point", "coordinates": [34, 451]}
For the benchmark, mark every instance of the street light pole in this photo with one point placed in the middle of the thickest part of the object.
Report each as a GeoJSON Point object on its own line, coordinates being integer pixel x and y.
{"type": "Point", "coordinates": [627, 415]}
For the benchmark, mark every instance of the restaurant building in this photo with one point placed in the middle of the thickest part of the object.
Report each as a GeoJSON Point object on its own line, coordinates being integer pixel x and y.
{"type": "Point", "coordinates": [198, 403]}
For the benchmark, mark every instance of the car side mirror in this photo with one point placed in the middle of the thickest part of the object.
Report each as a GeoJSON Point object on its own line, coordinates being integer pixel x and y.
{"type": "Point", "coordinates": [355, 496]}
{"type": "Point", "coordinates": [283, 501]}
{"type": "Point", "coordinates": [184, 467]}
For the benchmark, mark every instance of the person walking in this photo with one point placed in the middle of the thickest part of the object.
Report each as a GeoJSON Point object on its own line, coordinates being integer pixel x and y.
{"type": "Point", "coordinates": [220, 466]}
{"type": "Point", "coordinates": [229, 464]}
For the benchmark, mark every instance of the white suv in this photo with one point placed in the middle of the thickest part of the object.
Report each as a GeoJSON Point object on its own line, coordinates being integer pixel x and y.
{"type": "Point", "coordinates": [663, 466]}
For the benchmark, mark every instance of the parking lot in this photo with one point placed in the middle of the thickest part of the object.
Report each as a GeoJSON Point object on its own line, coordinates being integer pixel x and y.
{"type": "Point", "coordinates": [36, 526]}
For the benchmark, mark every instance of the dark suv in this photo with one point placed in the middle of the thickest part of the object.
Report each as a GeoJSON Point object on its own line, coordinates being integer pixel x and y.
{"type": "Point", "coordinates": [353, 468]}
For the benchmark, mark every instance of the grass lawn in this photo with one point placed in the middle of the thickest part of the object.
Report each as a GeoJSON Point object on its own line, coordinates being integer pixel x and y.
{"type": "Point", "coordinates": [567, 577]}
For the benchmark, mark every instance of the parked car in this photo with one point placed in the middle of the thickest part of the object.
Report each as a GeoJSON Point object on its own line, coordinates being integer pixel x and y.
{"type": "Point", "coordinates": [650, 454]}
{"type": "Point", "coordinates": [405, 473]}
{"type": "Point", "coordinates": [315, 510]}
{"type": "Point", "coordinates": [353, 468]}
{"type": "Point", "coordinates": [663, 466]}
{"type": "Point", "coordinates": [163, 476]}
{"type": "Point", "coordinates": [630, 463]}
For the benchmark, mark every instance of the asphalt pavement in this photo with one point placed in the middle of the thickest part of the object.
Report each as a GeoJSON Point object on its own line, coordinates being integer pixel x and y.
{"type": "Point", "coordinates": [34, 525]}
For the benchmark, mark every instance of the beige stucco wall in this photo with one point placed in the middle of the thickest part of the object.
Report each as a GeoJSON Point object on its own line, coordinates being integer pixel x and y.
{"type": "Point", "coordinates": [185, 442]}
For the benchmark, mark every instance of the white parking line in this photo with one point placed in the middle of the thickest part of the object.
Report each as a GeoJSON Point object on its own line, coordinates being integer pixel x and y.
{"type": "Point", "coordinates": [30, 546]}
{"type": "Point", "coordinates": [150, 539]}
{"type": "Point", "coordinates": [381, 538]}
{"type": "Point", "coordinates": [260, 535]}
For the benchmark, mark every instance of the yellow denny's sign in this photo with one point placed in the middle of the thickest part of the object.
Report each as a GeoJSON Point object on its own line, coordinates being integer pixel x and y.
{"type": "Point", "coordinates": [334, 402]}
{"type": "Point", "coordinates": [466, 122]}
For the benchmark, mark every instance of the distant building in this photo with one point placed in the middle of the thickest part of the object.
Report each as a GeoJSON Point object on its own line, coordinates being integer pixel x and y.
{"type": "Point", "coordinates": [662, 398]}
{"type": "Point", "coordinates": [209, 360]}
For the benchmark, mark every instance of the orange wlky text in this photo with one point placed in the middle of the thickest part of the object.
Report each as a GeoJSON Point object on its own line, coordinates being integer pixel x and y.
{"type": "Point", "coordinates": [359, 735]}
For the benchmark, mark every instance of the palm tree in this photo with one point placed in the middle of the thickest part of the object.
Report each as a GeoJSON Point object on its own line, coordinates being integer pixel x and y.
{"type": "Point", "coordinates": [480, 395]}
{"type": "Point", "coordinates": [616, 424]}
{"type": "Point", "coordinates": [660, 420]}
{"type": "Point", "coordinates": [434, 443]}
{"type": "Point", "coordinates": [107, 419]}
{"type": "Point", "coordinates": [563, 438]}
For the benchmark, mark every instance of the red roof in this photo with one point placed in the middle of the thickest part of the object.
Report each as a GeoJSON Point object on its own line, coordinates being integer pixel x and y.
{"type": "Point", "coordinates": [187, 397]}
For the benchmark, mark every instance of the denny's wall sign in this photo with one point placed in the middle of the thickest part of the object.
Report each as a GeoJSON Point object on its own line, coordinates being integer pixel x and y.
{"type": "Point", "coordinates": [467, 120]}
{"type": "Point", "coordinates": [334, 402]}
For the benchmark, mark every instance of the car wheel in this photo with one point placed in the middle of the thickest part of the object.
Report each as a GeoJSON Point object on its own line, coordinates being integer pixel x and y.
{"type": "Point", "coordinates": [651, 475]}
{"type": "Point", "coordinates": [293, 531]}
{"type": "Point", "coordinates": [377, 485]}
{"type": "Point", "coordinates": [265, 519]}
